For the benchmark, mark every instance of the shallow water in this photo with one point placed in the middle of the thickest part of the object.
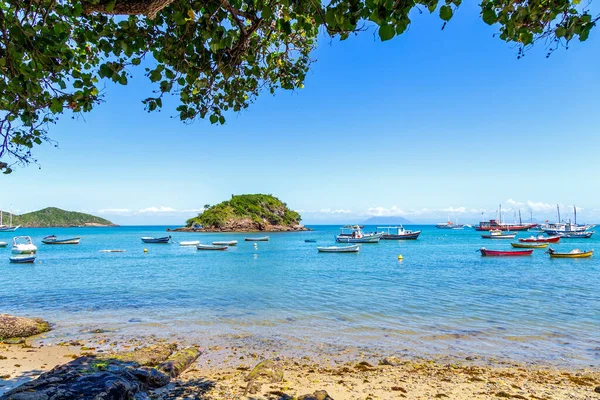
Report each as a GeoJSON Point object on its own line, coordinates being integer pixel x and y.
{"type": "Point", "coordinates": [442, 298]}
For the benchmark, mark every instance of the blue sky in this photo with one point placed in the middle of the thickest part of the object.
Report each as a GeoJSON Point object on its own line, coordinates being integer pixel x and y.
{"type": "Point", "coordinates": [430, 124]}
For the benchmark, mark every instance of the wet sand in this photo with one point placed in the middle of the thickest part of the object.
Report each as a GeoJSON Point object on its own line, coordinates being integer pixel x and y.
{"type": "Point", "coordinates": [349, 373]}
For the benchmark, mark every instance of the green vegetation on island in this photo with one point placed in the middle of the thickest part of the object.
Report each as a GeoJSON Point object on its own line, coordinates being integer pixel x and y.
{"type": "Point", "coordinates": [55, 217]}
{"type": "Point", "coordinates": [247, 212]}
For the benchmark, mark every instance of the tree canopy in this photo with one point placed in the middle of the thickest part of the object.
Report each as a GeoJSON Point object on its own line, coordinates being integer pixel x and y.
{"type": "Point", "coordinates": [214, 55]}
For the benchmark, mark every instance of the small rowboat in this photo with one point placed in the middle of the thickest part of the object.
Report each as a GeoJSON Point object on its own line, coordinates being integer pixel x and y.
{"type": "Point", "coordinates": [22, 259]}
{"type": "Point", "coordinates": [190, 243]}
{"type": "Point", "coordinates": [339, 249]}
{"type": "Point", "coordinates": [54, 240]}
{"type": "Point", "coordinates": [257, 239]}
{"type": "Point", "coordinates": [529, 245]}
{"type": "Point", "coordinates": [310, 241]}
{"type": "Point", "coordinates": [540, 239]}
{"type": "Point", "coordinates": [112, 251]}
{"type": "Point", "coordinates": [226, 243]}
{"type": "Point", "coordinates": [576, 253]}
{"type": "Point", "coordinates": [165, 239]}
{"type": "Point", "coordinates": [501, 253]}
{"type": "Point", "coordinates": [3, 244]}
{"type": "Point", "coordinates": [210, 247]}
{"type": "Point", "coordinates": [497, 234]}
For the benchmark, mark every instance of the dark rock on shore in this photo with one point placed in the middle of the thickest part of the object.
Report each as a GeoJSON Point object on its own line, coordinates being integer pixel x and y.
{"type": "Point", "coordinates": [116, 377]}
{"type": "Point", "coordinates": [251, 227]}
{"type": "Point", "coordinates": [317, 395]}
{"type": "Point", "coordinates": [20, 327]}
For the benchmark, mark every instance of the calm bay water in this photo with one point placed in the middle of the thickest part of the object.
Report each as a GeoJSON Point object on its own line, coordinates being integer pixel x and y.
{"type": "Point", "coordinates": [443, 298]}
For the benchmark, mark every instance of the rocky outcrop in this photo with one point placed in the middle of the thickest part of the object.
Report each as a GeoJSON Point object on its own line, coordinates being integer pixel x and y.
{"type": "Point", "coordinates": [244, 226]}
{"type": "Point", "coordinates": [114, 377]}
{"type": "Point", "coordinates": [20, 327]}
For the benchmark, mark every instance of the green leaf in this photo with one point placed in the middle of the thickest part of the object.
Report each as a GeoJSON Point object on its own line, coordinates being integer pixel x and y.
{"type": "Point", "coordinates": [560, 32]}
{"type": "Point", "coordinates": [445, 13]}
{"type": "Point", "coordinates": [213, 119]}
{"type": "Point", "coordinates": [111, 5]}
{"type": "Point", "coordinates": [386, 32]}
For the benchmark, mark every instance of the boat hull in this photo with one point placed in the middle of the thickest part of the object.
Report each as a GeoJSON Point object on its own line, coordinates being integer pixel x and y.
{"type": "Point", "coordinates": [162, 240]}
{"type": "Point", "coordinates": [190, 243]}
{"type": "Point", "coordinates": [22, 259]}
{"type": "Point", "coordinates": [501, 253]}
{"type": "Point", "coordinates": [258, 239]}
{"type": "Point", "coordinates": [498, 236]}
{"type": "Point", "coordinates": [364, 239]}
{"type": "Point", "coordinates": [8, 228]}
{"type": "Point", "coordinates": [583, 254]}
{"type": "Point", "coordinates": [552, 239]}
{"type": "Point", "coordinates": [529, 245]}
{"type": "Point", "coordinates": [576, 235]}
{"type": "Point", "coordinates": [226, 243]}
{"type": "Point", "coordinates": [407, 236]}
{"type": "Point", "coordinates": [503, 227]}
{"type": "Point", "coordinates": [62, 241]}
{"type": "Point", "coordinates": [337, 249]}
{"type": "Point", "coordinates": [211, 247]}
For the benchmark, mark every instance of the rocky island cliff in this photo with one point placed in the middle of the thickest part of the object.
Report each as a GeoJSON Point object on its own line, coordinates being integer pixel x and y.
{"type": "Point", "coordinates": [246, 213]}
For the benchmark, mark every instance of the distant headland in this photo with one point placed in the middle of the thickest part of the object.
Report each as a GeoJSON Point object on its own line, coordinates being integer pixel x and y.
{"type": "Point", "coordinates": [52, 217]}
{"type": "Point", "coordinates": [246, 213]}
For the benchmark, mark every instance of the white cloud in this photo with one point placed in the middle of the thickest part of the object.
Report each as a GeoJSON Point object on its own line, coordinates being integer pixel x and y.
{"type": "Point", "coordinates": [539, 206]}
{"type": "Point", "coordinates": [161, 209]}
{"type": "Point", "coordinates": [114, 211]}
{"type": "Point", "coordinates": [385, 212]}
{"type": "Point", "coordinates": [339, 211]}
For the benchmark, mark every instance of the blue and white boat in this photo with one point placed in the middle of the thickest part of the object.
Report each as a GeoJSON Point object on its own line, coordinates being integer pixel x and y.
{"type": "Point", "coordinates": [354, 234]}
{"type": "Point", "coordinates": [29, 259]}
{"type": "Point", "coordinates": [165, 239]}
{"type": "Point", "coordinates": [7, 228]}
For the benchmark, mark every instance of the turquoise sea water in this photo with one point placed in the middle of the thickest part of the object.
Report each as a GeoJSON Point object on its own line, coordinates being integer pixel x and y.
{"type": "Point", "coordinates": [443, 298]}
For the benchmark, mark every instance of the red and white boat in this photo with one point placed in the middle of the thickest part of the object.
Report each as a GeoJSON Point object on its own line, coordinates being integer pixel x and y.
{"type": "Point", "coordinates": [540, 239]}
{"type": "Point", "coordinates": [502, 253]}
{"type": "Point", "coordinates": [492, 224]}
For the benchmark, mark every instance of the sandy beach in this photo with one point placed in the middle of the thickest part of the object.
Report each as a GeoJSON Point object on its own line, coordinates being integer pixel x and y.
{"type": "Point", "coordinates": [221, 372]}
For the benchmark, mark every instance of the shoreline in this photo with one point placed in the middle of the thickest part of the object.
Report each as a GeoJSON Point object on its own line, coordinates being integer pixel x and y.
{"type": "Point", "coordinates": [221, 370]}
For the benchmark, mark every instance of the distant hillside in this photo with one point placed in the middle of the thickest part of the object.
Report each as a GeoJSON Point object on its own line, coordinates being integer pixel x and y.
{"type": "Point", "coordinates": [387, 221]}
{"type": "Point", "coordinates": [247, 212]}
{"type": "Point", "coordinates": [55, 217]}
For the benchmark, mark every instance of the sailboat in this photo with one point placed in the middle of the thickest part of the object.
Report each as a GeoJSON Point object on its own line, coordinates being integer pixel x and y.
{"type": "Point", "coordinates": [7, 228]}
{"type": "Point", "coordinates": [568, 229]}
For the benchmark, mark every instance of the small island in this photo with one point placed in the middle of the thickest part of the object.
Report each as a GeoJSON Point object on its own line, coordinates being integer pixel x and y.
{"type": "Point", "coordinates": [52, 217]}
{"type": "Point", "coordinates": [246, 213]}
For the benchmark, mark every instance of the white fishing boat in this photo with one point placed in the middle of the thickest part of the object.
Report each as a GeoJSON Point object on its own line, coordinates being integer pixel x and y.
{"type": "Point", "coordinates": [211, 247]}
{"type": "Point", "coordinates": [3, 244]}
{"type": "Point", "coordinates": [190, 243]}
{"type": "Point", "coordinates": [7, 228]}
{"type": "Point", "coordinates": [498, 234]}
{"type": "Point", "coordinates": [339, 249]}
{"type": "Point", "coordinates": [23, 245]}
{"type": "Point", "coordinates": [398, 233]}
{"type": "Point", "coordinates": [226, 243]}
{"type": "Point", "coordinates": [257, 239]}
{"type": "Point", "coordinates": [354, 234]}
{"type": "Point", "coordinates": [567, 229]}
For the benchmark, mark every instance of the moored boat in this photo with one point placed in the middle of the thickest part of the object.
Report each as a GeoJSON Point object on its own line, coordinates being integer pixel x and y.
{"type": "Point", "coordinates": [498, 234]}
{"type": "Point", "coordinates": [190, 243]}
{"type": "Point", "coordinates": [540, 239]}
{"type": "Point", "coordinates": [575, 253]}
{"type": "Point", "coordinates": [576, 235]}
{"type": "Point", "coordinates": [257, 239]}
{"type": "Point", "coordinates": [505, 253]}
{"type": "Point", "coordinates": [54, 240]}
{"type": "Point", "coordinates": [339, 249]}
{"type": "Point", "coordinates": [23, 245]}
{"type": "Point", "coordinates": [354, 234]}
{"type": "Point", "coordinates": [529, 245]}
{"type": "Point", "coordinates": [310, 240]}
{"type": "Point", "coordinates": [400, 234]}
{"type": "Point", "coordinates": [7, 228]}
{"type": "Point", "coordinates": [3, 244]}
{"type": "Point", "coordinates": [210, 247]}
{"type": "Point", "coordinates": [165, 239]}
{"type": "Point", "coordinates": [23, 259]}
{"type": "Point", "coordinates": [226, 243]}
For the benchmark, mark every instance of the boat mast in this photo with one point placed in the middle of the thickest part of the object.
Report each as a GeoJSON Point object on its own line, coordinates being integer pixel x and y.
{"type": "Point", "coordinates": [558, 212]}
{"type": "Point", "coordinates": [11, 217]}
{"type": "Point", "coordinates": [520, 221]}
{"type": "Point", "coordinates": [500, 208]}
{"type": "Point", "coordinates": [575, 214]}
